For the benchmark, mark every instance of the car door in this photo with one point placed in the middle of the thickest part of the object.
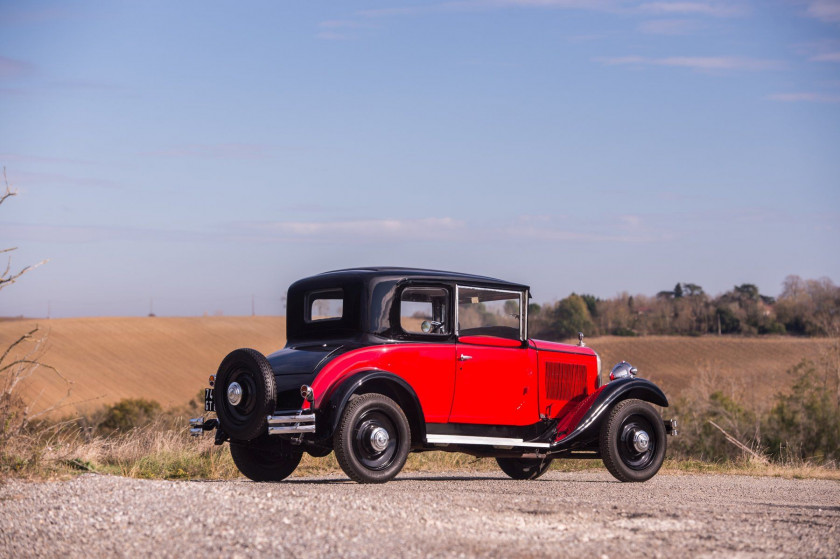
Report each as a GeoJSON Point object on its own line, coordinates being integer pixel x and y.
{"type": "Point", "coordinates": [495, 383]}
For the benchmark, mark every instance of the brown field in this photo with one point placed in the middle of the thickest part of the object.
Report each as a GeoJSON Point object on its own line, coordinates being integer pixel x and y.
{"type": "Point", "coordinates": [169, 359]}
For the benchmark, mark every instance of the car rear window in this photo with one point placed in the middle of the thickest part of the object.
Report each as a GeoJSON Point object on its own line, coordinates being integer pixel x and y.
{"type": "Point", "coordinates": [324, 304]}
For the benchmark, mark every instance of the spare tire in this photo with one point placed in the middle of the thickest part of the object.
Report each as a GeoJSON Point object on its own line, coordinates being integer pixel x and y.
{"type": "Point", "coordinates": [245, 394]}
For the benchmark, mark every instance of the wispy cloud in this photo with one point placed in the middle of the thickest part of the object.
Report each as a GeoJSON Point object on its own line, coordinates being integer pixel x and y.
{"type": "Point", "coordinates": [57, 179]}
{"type": "Point", "coordinates": [214, 151]}
{"type": "Point", "coordinates": [703, 63]}
{"type": "Point", "coordinates": [825, 10]}
{"type": "Point", "coordinates": [827, 57]}
{"type": "Point", "coordinates": [22, 158]}
{"type": "Point", "coordinates": [807, 97]}
{"type": "Point", "coordinates": [713, 9]}
{"type": "Point", "coordinates": [668, 27]}
{"type": "Point", "coordinates": [11, 68]}
{"type": "Point", "coordinates": [420, 229]}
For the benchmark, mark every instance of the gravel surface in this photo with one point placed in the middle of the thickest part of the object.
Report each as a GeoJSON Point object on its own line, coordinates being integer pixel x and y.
{"type": "Point", "coordinates": [453, 514]}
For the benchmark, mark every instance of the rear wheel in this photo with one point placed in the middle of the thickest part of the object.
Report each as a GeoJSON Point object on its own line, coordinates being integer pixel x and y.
{"type": "Point", "coordinates": [265, 459]}
{"type": "Point", "coordinates": [373, 439]}
{"type": "Point", "coordinates": [524, 468]}
{"type": "Point", "coordinates": [632, 441]}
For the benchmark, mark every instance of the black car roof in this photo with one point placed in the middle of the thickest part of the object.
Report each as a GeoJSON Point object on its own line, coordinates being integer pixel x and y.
{"type": "Point", "coordinates": [371, 272]}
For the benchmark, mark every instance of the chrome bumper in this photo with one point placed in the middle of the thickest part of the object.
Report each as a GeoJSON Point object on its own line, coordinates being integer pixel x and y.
{"type": "Point", "coordinates": [198, 425]}
{"type": "Point", "coordinates": [291, 422]}
{"type": "Point", "coordinates": [671, 427]}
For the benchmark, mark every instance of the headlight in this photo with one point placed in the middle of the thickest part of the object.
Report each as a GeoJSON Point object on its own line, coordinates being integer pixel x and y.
{"type": "Point", "coordinates": [623, 370]}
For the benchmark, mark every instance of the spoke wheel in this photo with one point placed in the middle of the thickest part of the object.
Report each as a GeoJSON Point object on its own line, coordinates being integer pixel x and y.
{"type": "Point", "coordinates": [373, 439]}
{"type": "Point", "coordinates": [632, 441]}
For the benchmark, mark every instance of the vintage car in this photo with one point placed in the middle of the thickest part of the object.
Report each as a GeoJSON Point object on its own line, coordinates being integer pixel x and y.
{"type": "Point", "coordinates": [381, 362]}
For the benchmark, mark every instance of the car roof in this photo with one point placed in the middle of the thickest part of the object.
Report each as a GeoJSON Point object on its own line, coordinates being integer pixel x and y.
{"type": "Point", "coordinates": [371, 272]}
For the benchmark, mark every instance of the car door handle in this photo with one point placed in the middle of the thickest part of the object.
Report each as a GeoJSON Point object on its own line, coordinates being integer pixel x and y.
{"type": "Point", "coordinates": [463, 357]}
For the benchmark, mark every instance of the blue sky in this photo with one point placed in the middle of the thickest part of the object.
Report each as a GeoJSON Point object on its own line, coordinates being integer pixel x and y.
{"type": "Point", "coordinates": [198, 153]}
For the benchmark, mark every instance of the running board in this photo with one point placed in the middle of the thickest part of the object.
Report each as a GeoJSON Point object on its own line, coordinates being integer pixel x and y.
{"type": "Point", "coordinates": [484, 441]}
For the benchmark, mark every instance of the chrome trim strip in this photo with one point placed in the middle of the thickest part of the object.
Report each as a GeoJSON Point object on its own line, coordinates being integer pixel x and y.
{"type": "Point", "coordinates": [487, 441]}
{"type": "Point", "coordinates": [289, 418]}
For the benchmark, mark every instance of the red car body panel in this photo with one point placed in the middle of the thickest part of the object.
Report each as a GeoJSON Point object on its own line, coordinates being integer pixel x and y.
{"type": "Point", "coordinates": [428, 368]}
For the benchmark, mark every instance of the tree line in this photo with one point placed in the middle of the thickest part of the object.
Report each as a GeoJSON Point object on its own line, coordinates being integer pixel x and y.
{"type": "Point", "coordinates": [805, 307]}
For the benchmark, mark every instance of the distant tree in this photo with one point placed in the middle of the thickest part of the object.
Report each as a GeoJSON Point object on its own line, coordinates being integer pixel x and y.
{"type": "Point", "coordinates": [567, 318]}
{"type": "Point", "coordinates": [678, 291]}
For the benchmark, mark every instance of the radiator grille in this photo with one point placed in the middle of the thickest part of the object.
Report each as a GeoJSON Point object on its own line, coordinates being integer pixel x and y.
{"type": "Point", "coordinates": [564, 381]}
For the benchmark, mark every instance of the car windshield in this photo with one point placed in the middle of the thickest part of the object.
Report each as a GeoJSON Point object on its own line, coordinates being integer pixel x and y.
{"type": "Point", "coordinates": [490, 312]}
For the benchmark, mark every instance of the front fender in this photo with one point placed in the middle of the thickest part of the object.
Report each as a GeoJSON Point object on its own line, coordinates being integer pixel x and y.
{"type": "Point", "coordinates": [383, 382]}
{"type": "Point", "coordinates": [583, 424]}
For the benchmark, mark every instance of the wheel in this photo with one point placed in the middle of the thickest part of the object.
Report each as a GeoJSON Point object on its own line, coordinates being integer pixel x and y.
{"type": "Point", "coordinates": [265, 459]}
{"type": "Point", "coordinates": [245, 394]}
{"type": "Point", "coordinates": [524, 468]}
{"type": "Point", "coordinates": [372, 439]}
{"type": "Point", "coordinates": [632, 441]}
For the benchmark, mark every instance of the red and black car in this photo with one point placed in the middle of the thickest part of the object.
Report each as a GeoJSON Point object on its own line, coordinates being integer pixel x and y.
{"type": "Point", "coordinates": [381, 362]}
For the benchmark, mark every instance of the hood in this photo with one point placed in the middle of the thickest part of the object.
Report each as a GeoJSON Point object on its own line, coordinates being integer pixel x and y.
{"type": "Point", "coordinates": [543, 345]}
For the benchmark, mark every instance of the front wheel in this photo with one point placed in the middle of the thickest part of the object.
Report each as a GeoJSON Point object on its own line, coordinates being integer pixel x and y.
{"type": "Point", "coordinates": [632, 441]}
{"type": "Point", "coordinates": [524, 468]}
{"type": "Point", "coordinates": [372, 439]}
{"type": "Point", "coordinates": [265, 459]}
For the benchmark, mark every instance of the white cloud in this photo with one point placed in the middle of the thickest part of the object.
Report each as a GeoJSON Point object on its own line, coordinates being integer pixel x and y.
{"type": "Point", "coordinates": [707, 63]}
{"type": "Point", "coordinates": [825, 10]}
{"type": "Point", "coordinates": [807, 97]}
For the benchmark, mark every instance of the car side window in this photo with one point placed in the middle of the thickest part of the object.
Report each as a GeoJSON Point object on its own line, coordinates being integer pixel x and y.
{"type": "Point", "coordinates": [424, 310]}
{"type": "Point", "coordinates": [490, 312]}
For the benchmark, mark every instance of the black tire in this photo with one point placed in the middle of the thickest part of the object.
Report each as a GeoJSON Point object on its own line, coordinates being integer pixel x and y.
{"type": "Point", "coordinates": [265, 459]}
{"type": "Point", "coordinates": [524, 468]}
{"type": "Point", "coordinates": [353, 439]}
{"type": "Point", "coordinates": [621, 457]}
{"type": "Point", "coordinates": [251, 371]}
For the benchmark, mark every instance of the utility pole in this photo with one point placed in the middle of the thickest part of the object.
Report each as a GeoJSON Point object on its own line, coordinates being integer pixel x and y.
{"type": "Point", "coordinates": [253, 309]}
{"type": "Point", "coordinates": [151, 306]}
{"type": "Point", "coordinates": [48, 309]}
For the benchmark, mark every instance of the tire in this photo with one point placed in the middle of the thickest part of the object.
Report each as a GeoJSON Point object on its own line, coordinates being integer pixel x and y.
{"type": "Point", "coordinates": [524, 468]}
{"type": "Point", "coordinates": [249, 368]}
{"type": "Point", "coordinates": [364, 418]}
{"type": "Point", "coordinates": [620, 455]}
{"type": "Point", "coordinates": [264, 459]}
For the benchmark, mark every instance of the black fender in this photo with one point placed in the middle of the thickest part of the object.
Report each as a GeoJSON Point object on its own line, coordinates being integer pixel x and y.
{"type": "Point", "coordinates": [382, 382]}
{"type": "Point", "coordinates": [589, 425]}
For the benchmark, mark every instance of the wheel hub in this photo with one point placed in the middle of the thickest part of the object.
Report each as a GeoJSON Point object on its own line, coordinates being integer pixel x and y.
{"type": "Point", "coordinates": [641, 441]}
{"type": "Point", "coordinates": [379, 439]}
{"type": "Point", "coordinates": [234, 393]}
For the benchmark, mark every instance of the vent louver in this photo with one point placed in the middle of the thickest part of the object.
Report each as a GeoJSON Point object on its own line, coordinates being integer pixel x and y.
{"type": "Point", "coordinates": [564, 381]}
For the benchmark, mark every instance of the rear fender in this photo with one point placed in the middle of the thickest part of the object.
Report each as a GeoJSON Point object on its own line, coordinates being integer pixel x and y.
{"type": "Point", "coordinates": [586, 420]}
{"type": "Point", "coordinates": [381, 382]}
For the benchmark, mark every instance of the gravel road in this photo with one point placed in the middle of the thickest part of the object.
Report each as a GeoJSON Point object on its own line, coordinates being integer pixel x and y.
{"type": "Point", "coordinates": [456, 514]}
